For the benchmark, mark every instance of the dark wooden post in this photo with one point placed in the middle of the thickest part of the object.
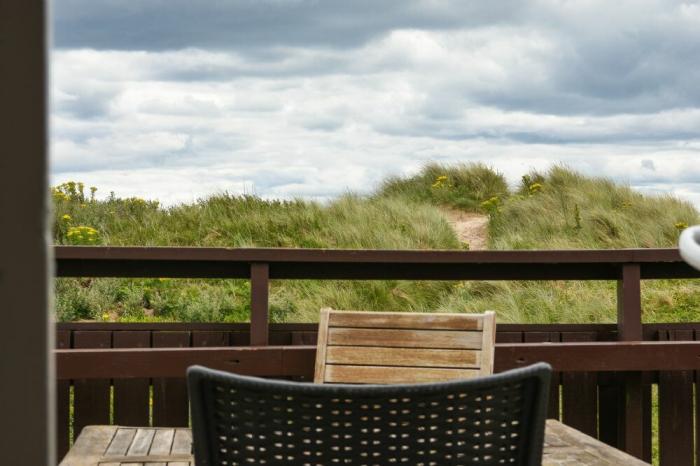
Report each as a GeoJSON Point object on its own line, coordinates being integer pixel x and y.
{"type": "Point", "coordinates": [629, 328]}
{"type": "Point", "coordinates": [27, 390]}
{"type": "Point", "coordinates": [629, 304]}
{"type": "Point", "coordinates": [259, 297]}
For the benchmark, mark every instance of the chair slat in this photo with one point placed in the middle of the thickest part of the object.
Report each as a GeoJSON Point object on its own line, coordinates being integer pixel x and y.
{"type": "Point", "coordinates": [405, 320]}
{"type": "Point", "coordinates": [415, 357]}
{"type": "Point", "coordinates": [448, 339]}
{"type": "Point", "coordinates": [388, 374]}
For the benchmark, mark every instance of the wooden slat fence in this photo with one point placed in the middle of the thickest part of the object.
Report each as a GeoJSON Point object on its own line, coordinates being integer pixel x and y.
{"type": "Point", "coordinates": [591, 402]}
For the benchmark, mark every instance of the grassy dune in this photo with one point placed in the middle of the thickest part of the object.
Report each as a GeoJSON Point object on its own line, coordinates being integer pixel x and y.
{"type": "Point", "coordinates": [570, 211]}
{"type": "Point", "coordinates": [558, 209]}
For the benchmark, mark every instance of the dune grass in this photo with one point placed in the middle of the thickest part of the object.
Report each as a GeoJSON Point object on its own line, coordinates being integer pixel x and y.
{"type": "Point", "coordinates": [462, 186]}
{"type": "Point", "coordinates": [559, 209]}
{"type": "Point", "coordinates": [565, 210]}
{"type": "Point", "coordinates": [350, 222]}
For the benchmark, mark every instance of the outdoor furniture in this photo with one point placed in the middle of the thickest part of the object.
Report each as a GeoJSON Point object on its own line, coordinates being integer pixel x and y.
{"type": "Point", "coordinates": [689, 246]}
{"type": "Point", "coordinates": [403, 347]}
{"type": "Point", "coordinates": [149, 446]}
{"type": "Point", "coordinates": [497, 419]}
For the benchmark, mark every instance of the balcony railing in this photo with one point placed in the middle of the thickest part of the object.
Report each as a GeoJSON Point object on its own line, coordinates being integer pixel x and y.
{"type": "Point", "coordinates": [605, 371]}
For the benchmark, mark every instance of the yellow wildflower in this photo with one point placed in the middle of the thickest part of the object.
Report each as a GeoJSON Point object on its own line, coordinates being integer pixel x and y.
{"type": "Point", "coordinates": [82, 235]}
{"type": "Point", "coordinates": [66, 218]}
{"type": "Point", "coordinates": [439, 181]}
{"type": "Point", "coordinates": [535, 188]}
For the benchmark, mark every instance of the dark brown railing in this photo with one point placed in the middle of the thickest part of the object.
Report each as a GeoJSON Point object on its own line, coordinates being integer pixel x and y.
{"type": "Point", "coordinates": [605, 372]}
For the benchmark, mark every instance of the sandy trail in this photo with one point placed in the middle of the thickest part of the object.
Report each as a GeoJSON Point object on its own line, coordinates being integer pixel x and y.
{"type": "Point", "coordinates": [470, 228]}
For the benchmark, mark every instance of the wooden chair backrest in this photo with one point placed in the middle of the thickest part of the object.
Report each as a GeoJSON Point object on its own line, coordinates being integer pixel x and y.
{"type": "Point", "coordinates": [402, 347]}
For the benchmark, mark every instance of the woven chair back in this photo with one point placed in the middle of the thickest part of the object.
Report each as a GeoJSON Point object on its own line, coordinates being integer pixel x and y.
{"type": "Point", "coordinates": [493, 420]}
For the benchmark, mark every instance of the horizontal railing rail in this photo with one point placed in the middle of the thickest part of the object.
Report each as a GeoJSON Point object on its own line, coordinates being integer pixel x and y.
{"type": "Point", "coordinates": [299, 360]}
{"type": "Point", "coordinates": [367, 264]}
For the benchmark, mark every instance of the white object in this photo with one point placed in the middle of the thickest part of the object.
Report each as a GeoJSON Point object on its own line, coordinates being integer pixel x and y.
{"type": "Point", "coordinates": [689, 245]}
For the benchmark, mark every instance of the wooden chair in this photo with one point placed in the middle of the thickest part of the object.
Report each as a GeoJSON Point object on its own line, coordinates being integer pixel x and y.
{"type": "Point", "coordinates": [402, 347]}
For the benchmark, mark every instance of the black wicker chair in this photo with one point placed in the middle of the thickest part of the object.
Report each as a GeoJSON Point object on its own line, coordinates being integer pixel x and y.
{"type": "Point", "coordinates": [498, 419]}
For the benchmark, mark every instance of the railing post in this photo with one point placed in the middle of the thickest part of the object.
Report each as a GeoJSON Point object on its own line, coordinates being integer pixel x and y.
{"type": "Point", "coordinates": [259, 297]}
{"type": "Point", "coordinates": [629, 328]}
{"type": "Point", "coordinates": [629, 304]}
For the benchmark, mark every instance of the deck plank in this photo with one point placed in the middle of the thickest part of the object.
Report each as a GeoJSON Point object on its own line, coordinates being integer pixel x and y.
{"type": "Point", "coordinates": [182, 443]}
{"type": "Point", "coordinates": [121, 442]}
{"type": "Point", "coordinates": [162, 442]}
{"type": "Point", "coordinates": [142, 442]}
{"type": "Point", "coordinates": [566, 446]}
{"type": "Point", "coordinates": [90, 446]}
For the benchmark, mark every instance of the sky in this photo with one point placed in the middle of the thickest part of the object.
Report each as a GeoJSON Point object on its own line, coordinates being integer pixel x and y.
{"type": "Point", "coordinates": [176, 100]}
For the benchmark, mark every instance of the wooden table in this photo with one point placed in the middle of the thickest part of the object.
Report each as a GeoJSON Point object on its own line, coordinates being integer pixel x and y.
{"type": "Point", "coordinates": [160, 446]}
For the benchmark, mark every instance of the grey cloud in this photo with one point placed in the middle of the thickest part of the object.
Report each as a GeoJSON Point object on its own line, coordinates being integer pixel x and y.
{"type": "Point", "coordinates": [631, 75]}
{"type": "Point", "coordinates": [81, 151]}
{"type": "Point", "coordinates": [687, 177]}
{"type": "Point", "coordinates": [621, 62]}
{"type": "Point", "coordinates": [594, 77]}
{"type": "Point", "coordinates": [84, 103]}
{"type": "Point", "coordinates": [86, 106]}
{"type": "Point", "coordinates": [648, 164]}
{"type": "Point", "coordinates": [242, 24]}
{"type": "Point", "coordinates": [323, 124]}
{"type": "Point", "coordinates": [566, 132]}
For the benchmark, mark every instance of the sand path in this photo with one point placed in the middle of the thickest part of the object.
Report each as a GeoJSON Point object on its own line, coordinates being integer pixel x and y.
{"type": "Point", "coordinates": [470, 227]}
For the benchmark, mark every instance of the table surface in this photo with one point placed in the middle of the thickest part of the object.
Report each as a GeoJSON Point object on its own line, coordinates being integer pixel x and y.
{"type": "Point", "coordinates": [162, 446]}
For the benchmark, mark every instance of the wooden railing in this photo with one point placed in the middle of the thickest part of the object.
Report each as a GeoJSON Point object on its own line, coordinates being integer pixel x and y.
{"type": "Point", "coordinates": [605, 372]}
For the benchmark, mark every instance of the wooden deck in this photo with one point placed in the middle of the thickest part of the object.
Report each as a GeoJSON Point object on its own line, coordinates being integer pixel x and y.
{"type": "Point", "coordinates": [145, 446]}
{"type": "Point", "coordinates": [565, 446]}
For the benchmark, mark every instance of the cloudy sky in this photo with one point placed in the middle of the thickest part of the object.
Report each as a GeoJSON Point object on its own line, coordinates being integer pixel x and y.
{"type": "Point", "coordinates": [175, 99]}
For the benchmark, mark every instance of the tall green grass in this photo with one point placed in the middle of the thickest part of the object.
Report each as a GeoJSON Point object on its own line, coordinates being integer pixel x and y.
{"type": "Point", "coordinates": [567, 210]}
{"type": "Point", "coordinates": [462, 186]}
{"type": "Point", "coordinates": [557, 209]}
{"type": "Point", "coordinates": [350, 222]}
